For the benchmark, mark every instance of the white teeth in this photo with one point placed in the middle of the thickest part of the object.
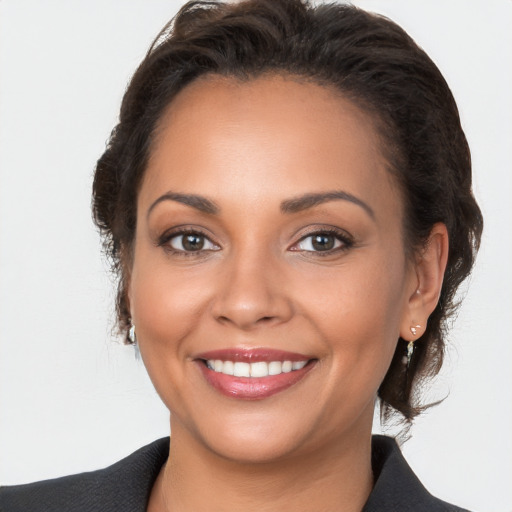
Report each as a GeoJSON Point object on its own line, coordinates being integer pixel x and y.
{"type": "Point", "coordinates": [228, 368]}
{"type": "Point", "coordinates": [258, 369]}
{"type": "Point", "coordinates": [242, 369]}
{"type": "Point", "coordinates": [275, 368]}
{"type": "Point", "coordinates": [287, 366]}
{"type": "Point", "coordinates": [298, 365]}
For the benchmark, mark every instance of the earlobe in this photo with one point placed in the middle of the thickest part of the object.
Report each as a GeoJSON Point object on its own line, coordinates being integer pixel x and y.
{"type": "Point", "coordinates": [429, 269]}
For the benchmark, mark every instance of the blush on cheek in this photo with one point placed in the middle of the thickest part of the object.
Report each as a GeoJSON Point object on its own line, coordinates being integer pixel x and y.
{"type": "Point", "coordinates": [167, 303]}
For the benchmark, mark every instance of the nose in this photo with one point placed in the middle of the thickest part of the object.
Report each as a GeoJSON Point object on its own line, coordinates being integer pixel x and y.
{"type": "Point", "coordinates": [252, 293]}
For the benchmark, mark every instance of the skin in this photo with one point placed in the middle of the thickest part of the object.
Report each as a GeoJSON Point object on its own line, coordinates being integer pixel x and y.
{"type": "Point", "coordinates": [258, 282]}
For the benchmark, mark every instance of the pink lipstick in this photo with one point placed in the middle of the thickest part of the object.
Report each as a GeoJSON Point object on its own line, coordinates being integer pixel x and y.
{"type": "Point", "coordinates": [253, 374]}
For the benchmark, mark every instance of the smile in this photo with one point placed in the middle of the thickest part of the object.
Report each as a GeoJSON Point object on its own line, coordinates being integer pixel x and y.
{"type": "Point", "coordinates": [253, 374]}
{"type": "Point", "coordinates": [255, 370]}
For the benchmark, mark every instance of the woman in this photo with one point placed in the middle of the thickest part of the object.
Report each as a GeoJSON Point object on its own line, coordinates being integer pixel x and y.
{"type": "Point", "coordinates": [287, 200]}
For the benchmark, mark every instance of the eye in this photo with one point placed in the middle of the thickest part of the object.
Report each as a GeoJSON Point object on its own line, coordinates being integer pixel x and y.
{"type": "Point", "coordinates": [323, 241]}
{"type": "Point", "coordinates": [190, 241]}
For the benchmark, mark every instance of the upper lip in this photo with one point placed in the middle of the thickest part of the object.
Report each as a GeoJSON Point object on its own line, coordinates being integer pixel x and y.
{"type": "Point", "coordinates": [252, 355]}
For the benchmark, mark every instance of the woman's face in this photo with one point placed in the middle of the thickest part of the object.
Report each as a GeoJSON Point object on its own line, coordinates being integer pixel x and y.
{"type": "Point", "coordinates": [269, 239]}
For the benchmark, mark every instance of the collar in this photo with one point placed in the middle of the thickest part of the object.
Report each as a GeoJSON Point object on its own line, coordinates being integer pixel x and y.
{"type": "Point", "coordinates": [396, 486]}
{"type": "Point", "coordinates": [127, 485]}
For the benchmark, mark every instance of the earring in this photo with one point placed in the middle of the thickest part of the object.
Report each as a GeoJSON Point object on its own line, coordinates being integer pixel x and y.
{"type": "Point", "coordinates": [131, 334]}
{"type": "Point", "coordinates": [406, 360]}
{"type": "Point", "coordinates": [410, 350]}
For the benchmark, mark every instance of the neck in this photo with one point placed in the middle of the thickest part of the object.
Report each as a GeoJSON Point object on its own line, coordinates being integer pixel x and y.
{"type": "Point", "coordinates": [335, 479]}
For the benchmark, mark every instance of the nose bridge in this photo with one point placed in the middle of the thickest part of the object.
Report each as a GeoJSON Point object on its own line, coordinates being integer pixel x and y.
{"type": "Point", "coordinates": [251, 292]}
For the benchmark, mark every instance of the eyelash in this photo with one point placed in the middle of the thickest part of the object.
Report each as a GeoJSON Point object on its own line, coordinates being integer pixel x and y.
{"type": "Point", "coordinates": [165, 239]}
{"type": "Point", "coordinates": [340, 236]}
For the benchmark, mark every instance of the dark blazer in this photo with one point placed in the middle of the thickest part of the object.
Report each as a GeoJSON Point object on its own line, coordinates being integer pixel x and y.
{"type": "Point", "coordinates": [126, 485]}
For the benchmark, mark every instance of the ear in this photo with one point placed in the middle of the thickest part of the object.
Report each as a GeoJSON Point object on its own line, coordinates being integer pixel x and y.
{"type": "Point", "coordinates": [429, 267]}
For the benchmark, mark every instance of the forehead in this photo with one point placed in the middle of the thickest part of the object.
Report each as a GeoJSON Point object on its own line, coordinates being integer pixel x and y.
{"type": "Point", "coordinates": [272, 136]}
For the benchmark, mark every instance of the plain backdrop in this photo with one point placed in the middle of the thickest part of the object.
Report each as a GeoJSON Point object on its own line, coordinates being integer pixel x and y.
{"type": "Point", "coordinates": [71, 397]}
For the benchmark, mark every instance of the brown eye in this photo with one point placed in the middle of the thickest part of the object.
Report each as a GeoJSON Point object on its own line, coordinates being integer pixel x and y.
{"type": "Point", "coordinates": [191, 242]}
{"type": "Point", "coordinates": [321, 242]}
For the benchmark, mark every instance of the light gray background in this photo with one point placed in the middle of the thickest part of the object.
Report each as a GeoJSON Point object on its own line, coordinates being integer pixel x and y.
{"type": "Point", "coordinates": [71, 399]}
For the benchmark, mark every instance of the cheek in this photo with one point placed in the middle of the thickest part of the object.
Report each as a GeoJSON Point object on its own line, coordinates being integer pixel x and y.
{"type": "Point", "coordinates": [357, 310]}
{"type": "Point", "coordinates": [166, 305]}
{"type": "Point", "coordinates": [166, 309]}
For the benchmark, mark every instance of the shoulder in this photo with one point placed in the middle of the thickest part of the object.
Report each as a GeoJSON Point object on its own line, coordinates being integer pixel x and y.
{"type": "Point", "coordinates": [396, 487]}
{"type": "Point", "coordinates": [123, 486]}
{"type": "Point", "coordinates": [127, 484]}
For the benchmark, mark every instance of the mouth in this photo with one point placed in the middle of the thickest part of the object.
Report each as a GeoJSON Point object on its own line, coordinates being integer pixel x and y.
{"type": "Point", "coordinates": [256, 370]}
{"type": "Point", "coordinates": [253, 374]}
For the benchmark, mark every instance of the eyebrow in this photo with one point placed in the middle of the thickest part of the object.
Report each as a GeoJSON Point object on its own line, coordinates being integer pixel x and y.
{"type": "Point", "coordinates": [294, 205]}
{"type": "Point", "coordinates": [195, 201]}
{"type": "Point", "coordinates": [310, 200]}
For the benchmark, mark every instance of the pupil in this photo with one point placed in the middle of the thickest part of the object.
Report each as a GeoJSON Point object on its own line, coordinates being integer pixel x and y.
{"type": "Point", "coordinates": [193, 242]}
{"type": "Point", "coordinates": [323, 242]}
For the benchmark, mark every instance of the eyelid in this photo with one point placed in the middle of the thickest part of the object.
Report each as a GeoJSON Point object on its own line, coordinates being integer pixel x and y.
{"type": "Point", "coordinates": [341, 235]}
{"type": "Point", "coordinates": [346, 239]}
{"type": "Point", "coordinates": [207, 241]}
{"type": "Point", "coordinates": [167, 236]}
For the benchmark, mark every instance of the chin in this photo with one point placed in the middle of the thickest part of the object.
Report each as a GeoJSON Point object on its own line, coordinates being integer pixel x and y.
{"type": "Point", "coordinates": [255, 449]}
{"type": "Point", "coordinates": [250, 438]}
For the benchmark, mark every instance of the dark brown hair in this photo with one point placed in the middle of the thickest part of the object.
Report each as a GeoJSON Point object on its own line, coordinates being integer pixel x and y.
{"type": "Point", "coordinates": [366, 57]}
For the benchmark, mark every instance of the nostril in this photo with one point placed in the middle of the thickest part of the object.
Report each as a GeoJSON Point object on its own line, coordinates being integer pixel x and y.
{"type": "Point", "coordinates": [246, 322]}
{"type": "Point", "coordinates": [251, 308]}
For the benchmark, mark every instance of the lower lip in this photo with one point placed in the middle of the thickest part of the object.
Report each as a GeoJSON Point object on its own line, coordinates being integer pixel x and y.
{"type": "Point", "coordinates": [253, 388]}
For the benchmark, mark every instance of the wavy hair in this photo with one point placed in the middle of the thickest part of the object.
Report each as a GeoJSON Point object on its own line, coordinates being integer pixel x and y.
{"type": "Point", "coordinates": [372, 62]}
